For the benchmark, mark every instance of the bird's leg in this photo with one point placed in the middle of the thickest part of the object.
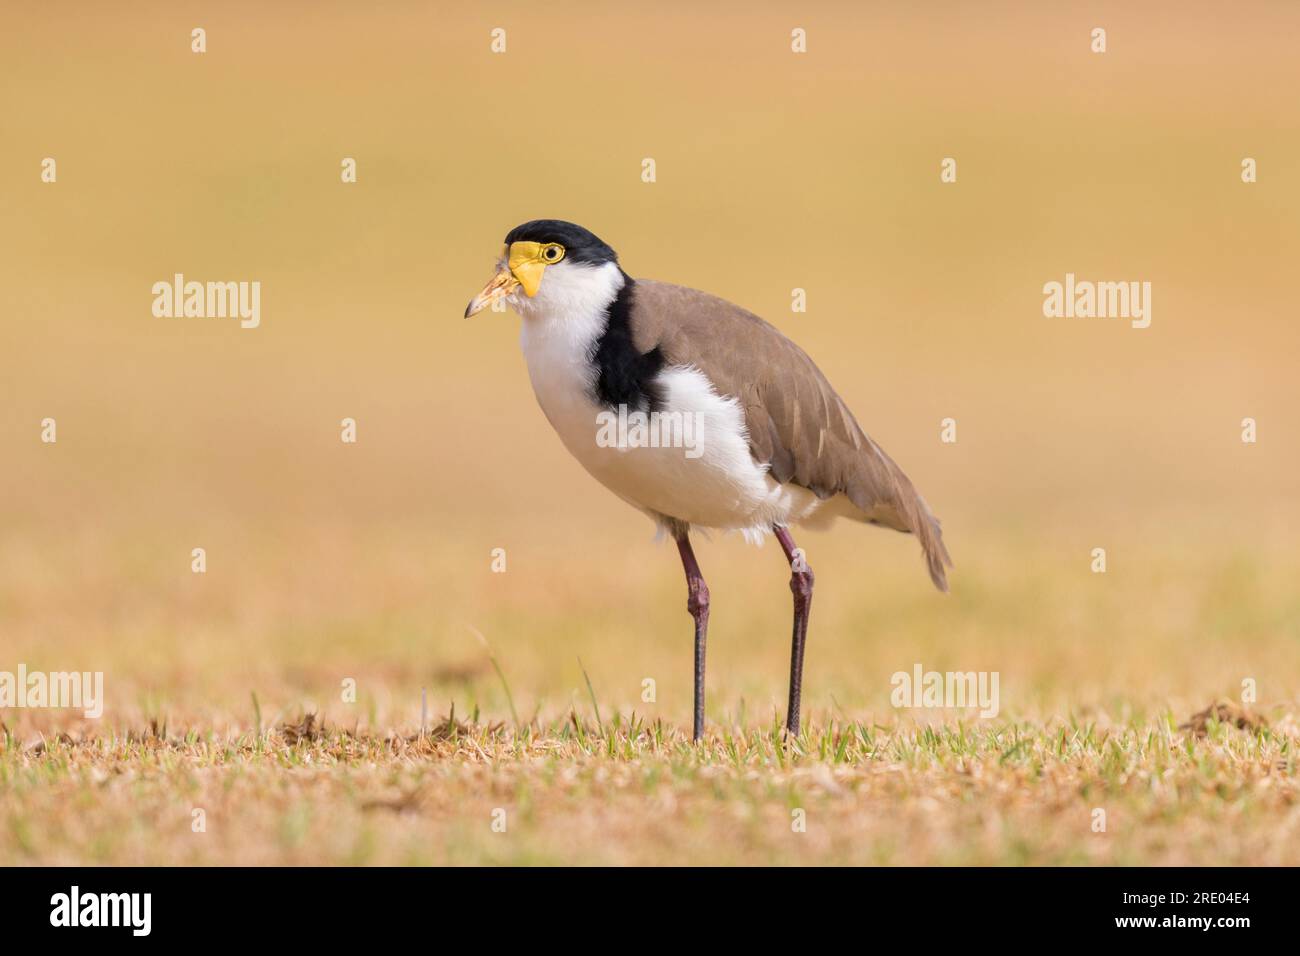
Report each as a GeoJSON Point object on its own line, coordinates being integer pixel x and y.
{"type": "Point", "coordinates": [801, 585]}
{"type": "Point", "coordinates": [697, 602]}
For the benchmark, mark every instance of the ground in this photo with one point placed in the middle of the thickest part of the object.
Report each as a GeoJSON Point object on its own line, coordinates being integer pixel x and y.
{"type": "Point", "coordinates": [1105, 748]}
{"type": "Point", "coordinates": [628, 792]}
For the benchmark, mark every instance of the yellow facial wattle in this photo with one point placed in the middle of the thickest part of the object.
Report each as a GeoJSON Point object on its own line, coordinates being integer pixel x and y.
{"type": "Point", "coordinates": [525, 263]}
{"type": "Point", "coordinates": [528, 260]}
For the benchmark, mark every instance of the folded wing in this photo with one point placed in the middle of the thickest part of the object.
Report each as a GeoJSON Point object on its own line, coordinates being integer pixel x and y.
{"type": "Point", "coordinates": [798, 426]}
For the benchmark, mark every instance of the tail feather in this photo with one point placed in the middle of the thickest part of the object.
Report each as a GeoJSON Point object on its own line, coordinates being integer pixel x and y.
{"type": "Point", "coordinates": [886, 496]}
{"type": "Point", "coordinates": [937, 558]}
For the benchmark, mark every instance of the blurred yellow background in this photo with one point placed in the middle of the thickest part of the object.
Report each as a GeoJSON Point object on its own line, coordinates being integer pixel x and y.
{"type": "Point", "coordinates": [775, 171]}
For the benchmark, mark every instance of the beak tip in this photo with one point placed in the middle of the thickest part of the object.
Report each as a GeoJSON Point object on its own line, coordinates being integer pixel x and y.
{"type": "Point", "coordinates": [502, 285]}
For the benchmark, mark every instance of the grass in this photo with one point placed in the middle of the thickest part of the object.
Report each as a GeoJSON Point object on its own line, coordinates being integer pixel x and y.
{"type": "Point", "coordinates": [638, 791]}
{"type": "Point", "coordinates": [524, 693]}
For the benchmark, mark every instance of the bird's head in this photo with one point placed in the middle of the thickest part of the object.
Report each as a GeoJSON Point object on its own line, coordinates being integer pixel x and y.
{"type": "Point", "coordinates": [546, 259]}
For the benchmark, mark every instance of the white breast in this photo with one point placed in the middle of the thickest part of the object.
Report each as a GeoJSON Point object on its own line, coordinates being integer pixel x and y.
{"type": "Point", "coordinates": [714, 483]}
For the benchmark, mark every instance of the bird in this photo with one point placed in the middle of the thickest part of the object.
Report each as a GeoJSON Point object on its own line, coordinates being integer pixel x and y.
{"type": "Point", "coordinates": [757, 440]}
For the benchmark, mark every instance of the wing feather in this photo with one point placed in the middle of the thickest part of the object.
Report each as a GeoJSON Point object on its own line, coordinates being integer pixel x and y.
{"type": "Point", "coordinates": [798, 426]}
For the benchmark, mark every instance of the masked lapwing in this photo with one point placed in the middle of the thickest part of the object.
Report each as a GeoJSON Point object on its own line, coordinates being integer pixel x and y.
{"type": "Point", "coordinates": [696, 412]}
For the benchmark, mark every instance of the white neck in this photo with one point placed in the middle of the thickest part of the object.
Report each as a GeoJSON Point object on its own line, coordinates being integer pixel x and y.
{"type": "Point", "coordinates": [571, 291]}
{"type": "Point", "coordinates": [561, 326]}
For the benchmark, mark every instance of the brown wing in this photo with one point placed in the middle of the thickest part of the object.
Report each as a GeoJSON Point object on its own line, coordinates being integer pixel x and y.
{"type": "Point", "coordinates": [797, 424]}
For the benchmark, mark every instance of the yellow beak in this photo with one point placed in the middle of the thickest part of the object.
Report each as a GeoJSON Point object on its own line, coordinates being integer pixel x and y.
{"type": "Point", "coordinates": [524, 267]}
{"type": "Point", "coordinates": [502, 284]}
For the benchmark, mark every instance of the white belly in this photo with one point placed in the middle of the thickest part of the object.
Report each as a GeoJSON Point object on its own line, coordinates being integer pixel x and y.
{"type": "Point", "coordinates": [704, 475]}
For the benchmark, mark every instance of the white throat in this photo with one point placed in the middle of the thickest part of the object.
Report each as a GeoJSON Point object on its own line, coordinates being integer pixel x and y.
{"type": "Point", "coordinates": [560, 329]}
{"type": "Point", "coordinates": [571, 291]}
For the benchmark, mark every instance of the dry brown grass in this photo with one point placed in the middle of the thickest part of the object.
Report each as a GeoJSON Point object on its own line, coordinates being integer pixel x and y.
{"type": "Point", "coordinates": [959, 793]}
{"type": "Point", "coordinates": [225, 694]}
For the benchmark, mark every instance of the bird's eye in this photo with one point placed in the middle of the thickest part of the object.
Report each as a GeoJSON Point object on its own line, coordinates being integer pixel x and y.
{"type": "Point", "coordinates": [553, 253]}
